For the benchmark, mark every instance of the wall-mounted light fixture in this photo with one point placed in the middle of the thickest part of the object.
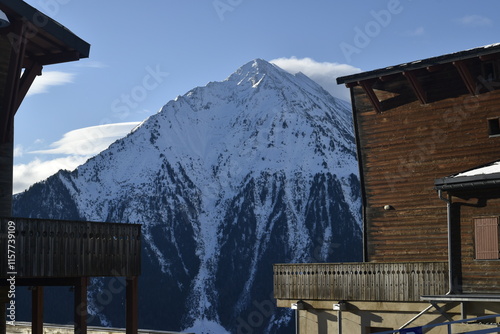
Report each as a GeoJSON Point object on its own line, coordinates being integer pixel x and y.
{"type": "Point", "coordinates": [4, 20]}
{"type": "Point", "coordinates": [388, 207]}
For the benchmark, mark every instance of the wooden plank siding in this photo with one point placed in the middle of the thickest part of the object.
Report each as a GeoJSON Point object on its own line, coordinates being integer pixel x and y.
{"type": "Point", "coordinates": [478, 276]}
{"type": "Point", "coordinates": [409, 145]}
{"type": "Point", "coordinates": [360, 281]}
{"type": "Point", "coordinates": [56, 248]}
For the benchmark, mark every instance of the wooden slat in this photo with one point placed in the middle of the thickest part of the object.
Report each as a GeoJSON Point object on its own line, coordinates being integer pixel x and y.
{"type": "Point", "coordinates": [360, 281]}
{"type": "Point", "coordinates": [486, 238]}
{"type": "Point", "coordinates": [408, 146]}
{"type": "Point", "coordinates": [51, 248]}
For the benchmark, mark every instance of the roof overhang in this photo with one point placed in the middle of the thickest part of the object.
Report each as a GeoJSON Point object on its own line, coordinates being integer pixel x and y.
{"type": "Point", "coordinates": [48, 42]}
{"type": "Point", "coordinates": [428, 63]}
{"type": "Point", "coordinates": [485, 176]}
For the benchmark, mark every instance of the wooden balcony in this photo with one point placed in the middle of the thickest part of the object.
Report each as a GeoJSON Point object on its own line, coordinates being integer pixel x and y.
{"type": "Point", "coordinates": [63, 249]}
{"type": "Point", "coordinates": [360, 281]}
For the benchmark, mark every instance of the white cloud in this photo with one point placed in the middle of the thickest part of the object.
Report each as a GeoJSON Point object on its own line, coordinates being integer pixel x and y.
{"type": "Point", "coordinates": [37, 170]}
{"type": "Point", "coordinates": [76, 147]}
{"type": "Point", "coordinates": [417, 32]}
{"type": "Point", "coordinates": [90, 64]}
{"type": "Point", "coordinates": [18, 150]}
{"type": "Point", "coordinates": [89, 141]}
{"type": "Point", "coordinates": [475, 21]}
{"type": "Point", "coordinates": [324, 73]}
{"type": "Point", "coordinates": [48, 79]}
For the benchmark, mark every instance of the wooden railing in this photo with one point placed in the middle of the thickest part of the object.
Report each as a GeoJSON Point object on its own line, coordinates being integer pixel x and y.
{"type": "Point", "coordinates": [360, 281]}
{"type": "Point", "coordinates": [56, 248]}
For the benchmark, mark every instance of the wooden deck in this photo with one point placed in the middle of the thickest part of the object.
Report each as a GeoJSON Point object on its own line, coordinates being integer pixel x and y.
{"type": "Point", "coordinates": [360, 281]}
{"type": "Point", "coordinates": [57, 248]}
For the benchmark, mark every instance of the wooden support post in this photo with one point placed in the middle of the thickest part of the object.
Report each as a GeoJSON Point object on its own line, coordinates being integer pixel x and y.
{"type": "Point", "coordinates": [367, 87]}
{"type": "Point", "coordinates": [27, 79]}
{"type": "Point", "coordinates": [132, 305]}
{"type": "Point", "coordinates": [37, 310]}
{"type": "Point", "coordinates": [3, 321]}
{"type": "Point", "coordinates": [467, 78]}
{"type": "Point", "coordinates": [9, 87]}
{"type": "Point", "coordinates": [416, 86]}
{"type": "Point", "coordinates": [80, 306]}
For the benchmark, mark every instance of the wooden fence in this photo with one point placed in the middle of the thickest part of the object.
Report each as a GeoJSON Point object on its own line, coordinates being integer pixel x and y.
{"type": "Point", "coordinates": [56, 248]}
{"type": "Point", "coordinates": [360, 281]}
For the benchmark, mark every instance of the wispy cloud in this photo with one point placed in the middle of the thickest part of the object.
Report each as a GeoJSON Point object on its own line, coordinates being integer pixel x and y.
{"type": "Point", "coordinates": [416, 32]}
{"type": "Point", "coordinates": [90, 64]}
{"type": "Point", "coordinates": [475, 21]}
{"type": "Point", "coordinates": [75, 147]}
{"type": "Point", "coordinates": [324, 73]}
{"type": "Point", "coordinates": [37, 170]}
{"type": "Point", "coordinates": [90, 140]}
{"type": "Point", "coordinates": [50, 78]}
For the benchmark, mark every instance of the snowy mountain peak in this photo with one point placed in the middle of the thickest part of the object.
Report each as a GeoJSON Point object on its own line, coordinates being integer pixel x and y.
{"type": "Point", "coordinates": [229, 178]}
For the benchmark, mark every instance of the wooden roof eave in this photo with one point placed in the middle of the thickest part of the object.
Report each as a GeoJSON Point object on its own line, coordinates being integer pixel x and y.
{"type": "Point", "coordinates": [46, 37]}
{"type": "Point", "coordinates": [486, 52]}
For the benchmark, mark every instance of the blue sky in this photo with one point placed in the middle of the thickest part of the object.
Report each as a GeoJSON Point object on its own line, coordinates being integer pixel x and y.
{"type": "Point", "coordinates": [145, 53]}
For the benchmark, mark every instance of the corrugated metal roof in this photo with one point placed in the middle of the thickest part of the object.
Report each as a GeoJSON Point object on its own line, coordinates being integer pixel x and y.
{"type": "Point", "coordinates": [448, 58]}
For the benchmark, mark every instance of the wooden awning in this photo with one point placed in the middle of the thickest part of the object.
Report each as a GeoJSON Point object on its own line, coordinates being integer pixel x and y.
{"type": "Point", "coordinates": [47, 41]}
{"type": "Point", "coordinates": [374, 83]}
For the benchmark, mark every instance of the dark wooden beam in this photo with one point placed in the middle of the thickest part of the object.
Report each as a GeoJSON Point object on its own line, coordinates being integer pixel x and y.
{"type": "Point", "coordinates": [43, 281]}
{"type": "Point", "coordinates": [416, 86]}
{"type": "Point", "coordinates": [489, 57]}
{"type": "Point", "coordinates": [389, 77]}
{"type": "Point", "coordinates": [27, 79]}
{"type": "Point", "coordinates": [57, 58]}
{"type": "Point", "coordinates": [132, 305]}
{"type": "Point", "coordinates": [467, 77]}
{"type": "Point", "coordinates": [11, 66]}
{"type": "Point", "coordinates": [17, 39]}
{"type": "Point", "coordinates": [37, 310]}
{"type": "Point", "coordinates": [367, 86]}
{"type": "Point", "coordinates": [434, 68]}
{"type": "Point", "coordinates": [81, 306]}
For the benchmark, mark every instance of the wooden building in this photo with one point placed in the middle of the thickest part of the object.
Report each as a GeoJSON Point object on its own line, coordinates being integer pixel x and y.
{"type": "Point", "coordinates": [428, 138]}
{"type": "Point", "coordinates": [40, 253]}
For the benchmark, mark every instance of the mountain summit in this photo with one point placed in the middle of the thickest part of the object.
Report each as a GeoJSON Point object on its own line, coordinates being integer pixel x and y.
{"type": "Point", "coordinates": [226, 180]}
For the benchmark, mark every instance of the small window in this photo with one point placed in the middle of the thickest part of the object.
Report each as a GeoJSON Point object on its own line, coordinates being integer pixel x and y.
{"type": "Point", "coordinates": [490, 71]}
{"type": "Point", "coordinates": [494, 126]}
{"type": "Point", "coordinates": [486, 238]}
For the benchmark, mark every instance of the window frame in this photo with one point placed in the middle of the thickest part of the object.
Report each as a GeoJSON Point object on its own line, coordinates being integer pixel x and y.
{"type": "Point", "coordinates": [494, 127]}
{"type": "Point", "coordinates": [486, 238]}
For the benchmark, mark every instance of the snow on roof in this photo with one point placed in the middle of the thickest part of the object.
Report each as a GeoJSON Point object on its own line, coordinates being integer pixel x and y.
{"type": "Point", "coordinates": [491, 168]}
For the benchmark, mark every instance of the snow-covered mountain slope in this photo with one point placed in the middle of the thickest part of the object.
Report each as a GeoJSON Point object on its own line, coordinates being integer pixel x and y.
{"type": "Point", "coordinates": [226, 180]}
